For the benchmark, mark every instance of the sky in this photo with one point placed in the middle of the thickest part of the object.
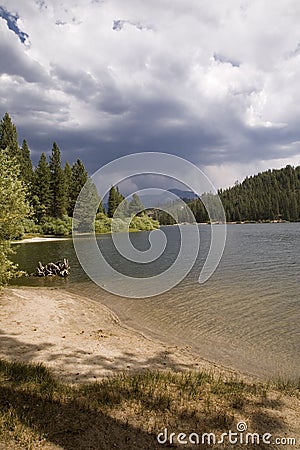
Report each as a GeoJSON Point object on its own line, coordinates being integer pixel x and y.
{"type": "Point", "coordinates": [216, 82]}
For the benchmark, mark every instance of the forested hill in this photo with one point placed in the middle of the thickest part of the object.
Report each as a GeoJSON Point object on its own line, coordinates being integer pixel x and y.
{"type": "Point", "coordinates": [270, 195]}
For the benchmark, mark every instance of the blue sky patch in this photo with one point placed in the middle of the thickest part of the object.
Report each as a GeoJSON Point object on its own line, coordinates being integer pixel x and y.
{"type": "Point", "coordinates": [11, 21]}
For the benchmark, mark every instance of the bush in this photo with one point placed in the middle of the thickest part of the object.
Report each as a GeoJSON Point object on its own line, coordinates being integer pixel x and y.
{"type": "Point", "coordinates": [102, 224]}
{"type": "Point", "coordinates": [30, 227]}
{"type": "Point", "coordinates": [143, 223]}
{"type": "Point", "coordinates": [56, 226]}
{"type": "Point", "coordinates": [8, 269]}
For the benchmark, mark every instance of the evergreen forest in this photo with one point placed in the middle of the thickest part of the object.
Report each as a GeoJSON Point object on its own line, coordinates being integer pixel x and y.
{"type": "Point", "coordinates": [51, 191]}
{"type": "Point", "coordinates": [270, 196]}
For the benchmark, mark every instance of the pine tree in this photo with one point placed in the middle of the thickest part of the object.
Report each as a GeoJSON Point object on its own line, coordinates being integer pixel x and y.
{"type": "Point", "coordinates": [41, 199]}
{"type": "Point", "coordinates": [100, 208]}
{"type": "Point", "coordinates": [86, 208]}
{"type": "Point", "coordinates": [9, 137]}
{"type": "Point", "coordinates": [57, 184]}
{"type": "Point", "coordinates": [78, 179]}
{"type": "Point", "coordinates": [68, 187]}
{"type": "Point", "coordinates": [26, 170]}
{"type": "Point", "coordinates": [136, 206]}
{"type": "Point", "coordinates": [113, 199]}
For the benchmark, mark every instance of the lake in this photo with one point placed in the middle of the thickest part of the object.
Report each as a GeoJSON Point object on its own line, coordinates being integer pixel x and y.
{"type": "Point", "coordinates": [246, 316]}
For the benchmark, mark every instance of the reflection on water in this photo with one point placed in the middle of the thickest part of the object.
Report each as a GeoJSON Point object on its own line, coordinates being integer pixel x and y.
{"type": "Point", "coordinates": [246, 316]}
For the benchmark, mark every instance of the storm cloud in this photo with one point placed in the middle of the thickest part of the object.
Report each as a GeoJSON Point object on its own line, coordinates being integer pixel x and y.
{"type": "Point", "coordinates": [214, 82]}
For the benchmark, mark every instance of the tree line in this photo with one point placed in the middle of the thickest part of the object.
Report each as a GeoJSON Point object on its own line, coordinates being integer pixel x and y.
{"type": "Point", "coordinates": [51, 189]}
{"type": "Point", "coordinates": [273, 195]}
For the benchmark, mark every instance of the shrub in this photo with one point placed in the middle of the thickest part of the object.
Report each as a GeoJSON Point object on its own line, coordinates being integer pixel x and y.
{"type": "Point", "coordinates": [56, 226]}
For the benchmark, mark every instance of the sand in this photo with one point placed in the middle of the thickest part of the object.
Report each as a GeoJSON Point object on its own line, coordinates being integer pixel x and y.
{"type": "Point", "coordinates": [40, 239]}
{"type": "Point", "coordinates": [80, 339]}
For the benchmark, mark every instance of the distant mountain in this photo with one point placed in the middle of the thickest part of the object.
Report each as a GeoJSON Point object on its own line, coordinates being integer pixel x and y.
{"type": "Point", "coordinates": [166, 197]}
{"type": "Point", "coordinates": [187, 195]}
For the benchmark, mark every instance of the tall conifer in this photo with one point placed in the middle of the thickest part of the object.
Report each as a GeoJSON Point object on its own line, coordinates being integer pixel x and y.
{"type": "Point", "coordinates": [9, 137]}
{"type": "Point", "coordinates": [78, 179]}
{"type": "Point", "coordinates": [41, 198]}
{"type": "Point", "coordinates": [57, 183]}
{"type": "Point", "coordinates": [26, 170]}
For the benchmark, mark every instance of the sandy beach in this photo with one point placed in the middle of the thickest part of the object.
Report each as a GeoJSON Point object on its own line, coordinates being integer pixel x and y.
{"type": "Point", "coordinates": [40, 239]}
{"type": "Point", "coordinates": [79, 339]}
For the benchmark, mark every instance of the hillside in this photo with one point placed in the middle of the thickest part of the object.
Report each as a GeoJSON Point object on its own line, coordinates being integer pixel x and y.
{"type": "Point", "coordinates": [268, 196]}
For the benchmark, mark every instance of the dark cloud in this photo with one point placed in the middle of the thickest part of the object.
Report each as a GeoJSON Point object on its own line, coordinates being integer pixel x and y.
{"type": "Point", "coordinates": [13, 60]}
{"type": "Point", "coordinates": [204, 84]}
{"type": "Point", "coordinates": [14, 63]}
{"type": "Point", "coordinates": [76, 82]}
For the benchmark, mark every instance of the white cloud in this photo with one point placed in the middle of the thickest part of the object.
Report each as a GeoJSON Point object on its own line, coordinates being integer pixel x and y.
{"type": "Point", "coordinates": [216, 82]}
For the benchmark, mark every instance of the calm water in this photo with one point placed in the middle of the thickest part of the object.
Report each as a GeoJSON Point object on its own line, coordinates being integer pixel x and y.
{"type": "Point", "coordinates": [246, 316]}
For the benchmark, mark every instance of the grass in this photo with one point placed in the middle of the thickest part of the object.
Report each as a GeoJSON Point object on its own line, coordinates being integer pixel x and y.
{"type": "Point", "coordinates": [127, 411]}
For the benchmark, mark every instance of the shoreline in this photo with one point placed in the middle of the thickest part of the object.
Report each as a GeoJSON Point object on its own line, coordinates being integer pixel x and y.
{"type": "Point", "coordinates": [41, 239]}
{"type": "Point", "coordinates": [82, 340]}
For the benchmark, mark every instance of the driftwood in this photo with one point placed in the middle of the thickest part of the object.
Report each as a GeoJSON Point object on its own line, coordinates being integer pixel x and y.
{"type": "Point", "coordinates": [60, 268]}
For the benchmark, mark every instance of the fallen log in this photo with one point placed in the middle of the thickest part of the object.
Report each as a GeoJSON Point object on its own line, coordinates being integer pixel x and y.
{"type": "Point", "coordinates": [59, 268]}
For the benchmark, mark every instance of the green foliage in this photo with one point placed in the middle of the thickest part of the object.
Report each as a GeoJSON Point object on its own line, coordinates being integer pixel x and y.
{"type": "Point", "coordinates": [13, 204]}
{"type": "Point", "coordinates": [31, 227]}
{"type": "Point", "coordinates": [26, 170]}
{"type": "Point", "coordinates": [8, 269]}
{"type": "Point", "coordinates": [57, 226]}
{"type": "Point", "coordinates": [135, 205]}
{"type": "Point", "coordinates": [123, 210]}
{"type": "Point", "coordinates": [53, 193]}
{"type": "Point", "coordinates": [271, 195]}
{"type": "Point", "coordinates": [86, 208]}
{"type": "Point", "coordinates": [102, 223]}
{"type": "Point", "coordinates": [163, 217]}
{"type": "Point", "coordinates": [113, 199]}
{"type": "Point", "coordinates": [100, 208]}
{"type": "Point", "coordinates": [78, 179]}
{"type": "Point", "coordinates": [41, 199]}
{"type": "Point", "coordinates": [13, 209]}
{"type": "Point", "coordinates": [268, 196]}
{"type": "Point", "coordinates": [118, 225]}
{"type": "Point", "coordinates": [116, 199]}
{"type": "Point", "coordinates": [143, 223]}
{"type": "Point", "coordinates": [68, 187]}
{"type": "Point", "coordinates": [9, 136]}
{"type": "Point", "coordinates": [57, 184]}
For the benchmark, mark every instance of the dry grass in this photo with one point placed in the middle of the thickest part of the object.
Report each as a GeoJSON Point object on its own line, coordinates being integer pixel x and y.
{"type": "Point", "coordinates": [127, 411]}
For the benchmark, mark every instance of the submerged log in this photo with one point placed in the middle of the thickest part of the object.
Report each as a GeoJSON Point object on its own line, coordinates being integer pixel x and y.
{"type": "Point", "coordinates": [59, 268]}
